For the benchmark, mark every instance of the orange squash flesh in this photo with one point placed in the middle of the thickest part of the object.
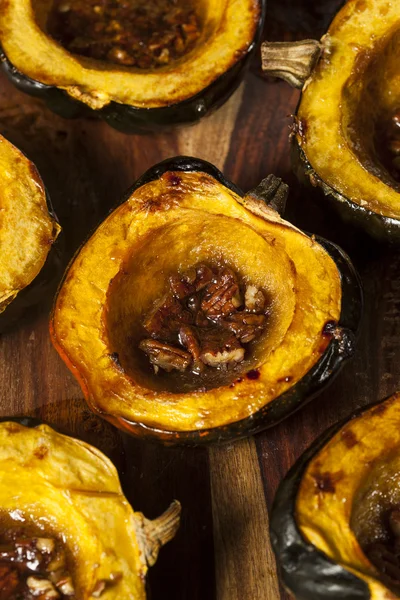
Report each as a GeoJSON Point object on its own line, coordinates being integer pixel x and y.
{"type": "Point", "coordinates": [165, 226]}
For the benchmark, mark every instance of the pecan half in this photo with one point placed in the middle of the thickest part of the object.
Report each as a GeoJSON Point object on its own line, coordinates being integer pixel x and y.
{"type": "Point", "coordinates": [189, 339]}
{"type": "Point", "coordinates": [166, 356]}
{"type": "Point", "coordinates": [219, 347]}
{"type": "Point", "coordinates": [183, 285]}
{"type": "Point", "coordinates": [192, 281]}
{"type": "Point", "coordinates": [245, 326]}
{"type": "Point", "coordinates": [222, 295]}
{"type": "Point", "coordinates": [166, 318]}
{"type": "Point", "coordinates": [204, 275]}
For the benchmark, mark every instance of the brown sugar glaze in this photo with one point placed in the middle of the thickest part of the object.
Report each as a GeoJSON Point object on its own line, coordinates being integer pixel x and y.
{"type": "Point", "coordinates": [35, 564]}
{"type": "Point", "coordinates": [204, 324]}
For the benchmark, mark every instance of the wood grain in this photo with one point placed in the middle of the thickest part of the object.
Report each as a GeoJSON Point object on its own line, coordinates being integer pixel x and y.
{"type": "Point", "coordinates": [244, 561]}
{"type": "Point", "coordinates": [222, 550]}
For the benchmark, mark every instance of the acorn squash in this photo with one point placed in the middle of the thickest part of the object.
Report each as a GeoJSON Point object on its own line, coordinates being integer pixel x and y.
{"type": "Point", "coordinates": [334, 522]}
{"type": "Point", "coordinates": [346, 134]}
{"type": "Point", "coordinates": [128, 96]}
{"type": "Point", "coordinates": [115, 307]}
{"type": "Point", "coordinates": [28, 230]}
{"type": "Point", "coordinates": [68, 528]}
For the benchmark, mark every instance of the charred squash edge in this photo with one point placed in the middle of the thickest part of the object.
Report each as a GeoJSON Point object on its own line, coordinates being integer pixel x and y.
{"type": "Point", "coordinates": [131, 119]}
{"type": "Point", "coordinates": [338, 351]}
{"type": "Point", "coordinates": [306, 571]}
{"type": "Point", "coordinates": [25, 421]}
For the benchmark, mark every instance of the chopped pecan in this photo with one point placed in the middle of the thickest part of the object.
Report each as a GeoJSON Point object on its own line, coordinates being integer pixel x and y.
{"type": "Point", "coordinates": [222, 294]}
{"type": "Point", "coordinates": [137, 33]}
{"type": "Point", "coordinates": [63, 582]}
{"type": "Point", "coordinates": [245, 326]}
{"type": "Point", "coordinates": [219, 347]}
{"type": "Point", "coordinates": [42, 587]}
{"type": "Point", "coordinates": [45, 545]}
{"type": "Point", "coordinates": [99, 588]}
{"type": "Point", "coordinates": [104, 584]}
{"type": "Point", "coordinates": [39, 567]}
{"type": "Point", "coordinates": [23, 551]}
{"type": "Point", "coordinates": [166, 356]}
{"type": "Point", "coordinates": [8, 553]}
{"type": "Point", "coordinates": [254, 299]}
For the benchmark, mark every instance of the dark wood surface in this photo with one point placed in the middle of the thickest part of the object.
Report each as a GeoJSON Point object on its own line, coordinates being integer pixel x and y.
{"type": "Point", "coordinates": [222, 550]}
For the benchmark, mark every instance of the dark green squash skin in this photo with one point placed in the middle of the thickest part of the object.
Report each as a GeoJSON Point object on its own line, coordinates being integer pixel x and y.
{"type": "Point", "coordinates": [384, 229]}
{"type": "Point", "coordinates": [306, 571]}
{"type": "Point", "coordinates": [339, 350]}
{"type": "Point", "coordinates": [130, 119]}
{"type": "Point", "coordinates": [25, 421]}
{"type": "Point", "coordinates": [40, 288]}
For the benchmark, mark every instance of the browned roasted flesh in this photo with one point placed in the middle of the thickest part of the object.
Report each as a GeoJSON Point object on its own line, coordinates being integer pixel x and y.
{"type": "Point", "coordinates": [205, 319]}
{"type": "Point", "coordinates": [145, 34]}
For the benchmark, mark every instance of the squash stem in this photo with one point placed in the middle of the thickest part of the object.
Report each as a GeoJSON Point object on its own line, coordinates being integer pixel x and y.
{"type": "Point", "coordinates": [291, 61]}
{"type": "Point", "coordinates": [154, 534]}
{"type": "Point", "coordinates": [272, 191]}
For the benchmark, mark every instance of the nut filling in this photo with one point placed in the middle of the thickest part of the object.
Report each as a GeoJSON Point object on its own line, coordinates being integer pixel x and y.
{"type": "Point", "coordinates": [205, 320]}
{"type": "Point", "coordinates": [33, 568]}
{"type": "Point", "coordinates": [145, 34]}
{"type": "Point", "coordinates": [385, 554]}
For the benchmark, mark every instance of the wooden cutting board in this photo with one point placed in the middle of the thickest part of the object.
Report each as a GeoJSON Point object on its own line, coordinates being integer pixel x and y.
{"type": "Point", "coordinates": [222, 551]}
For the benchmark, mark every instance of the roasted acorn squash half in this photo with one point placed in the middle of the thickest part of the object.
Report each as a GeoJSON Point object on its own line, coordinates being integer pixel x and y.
{"type": "Point", "coordinates": [28, 230]}
{"type": "Point", "coordinates": [183, 215]}
{"type": "Point", "coordinates": [61, 499]}
{"type": "Point", "coordinates": [346, 134]}
{"type": "Point", "coordinates": [335, 519]}
{"type": "Point", "coordinates": [127, 97]}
